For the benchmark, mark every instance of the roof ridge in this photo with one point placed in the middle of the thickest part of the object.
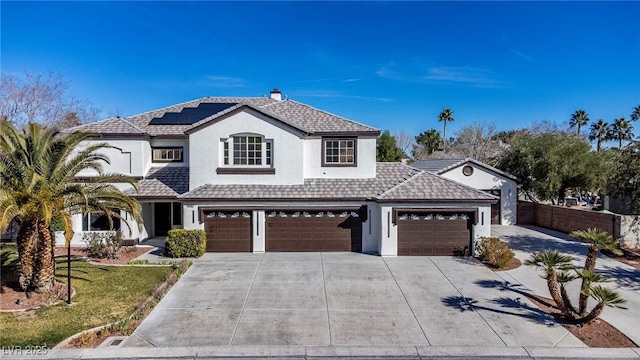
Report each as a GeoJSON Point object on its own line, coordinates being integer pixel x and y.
{"type": "Point", "coordinates": [132, 125]}
{"type": "Point", "coordinates": [403, 182]}
{"type": "Point", "coordinates": [87, 124]}
{"type": "Point", "coordinates": [332, 114]}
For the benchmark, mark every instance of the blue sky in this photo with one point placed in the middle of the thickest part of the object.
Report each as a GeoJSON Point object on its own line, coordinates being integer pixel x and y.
{"type": "Point", "coordinates": [392, 65]}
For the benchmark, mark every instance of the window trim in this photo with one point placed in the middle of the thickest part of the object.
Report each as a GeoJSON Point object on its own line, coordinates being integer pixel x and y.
{"type": "Point", "coordinates": [324, 155]}
{"type": "Point", "coordinates": [153, 156]}
{"type": "Point", "coordinates": [228, 154]}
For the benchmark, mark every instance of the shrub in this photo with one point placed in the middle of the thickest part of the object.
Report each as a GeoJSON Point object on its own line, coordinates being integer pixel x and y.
{"type": "Point", "coordinates": [103, 245]}
{"type": "Point", "coordinates": [185, 243]}
{"type": "Point", "coordinates": [495, 252]}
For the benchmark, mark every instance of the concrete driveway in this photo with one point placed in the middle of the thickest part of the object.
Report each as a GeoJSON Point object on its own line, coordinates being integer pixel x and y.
{"type": "Point", "coordinates": [525, 240]}
{"type": "Point", "coordinates": [344, 299]}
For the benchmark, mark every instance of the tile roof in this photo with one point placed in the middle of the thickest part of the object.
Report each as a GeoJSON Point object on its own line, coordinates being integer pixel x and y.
{"type": "Point", "coordinates": [304, 117]}
{"type": "Point", "coordinates": [163, 182]}
{"type": "Point", "coordinates": [440, 166]}
{"type": "Point", "coordinates": [393, 182]}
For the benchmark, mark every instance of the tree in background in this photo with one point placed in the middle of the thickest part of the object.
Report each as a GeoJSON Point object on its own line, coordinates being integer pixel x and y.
{"type": "Point", "coordinates": [600, 132]}
{"type": "Point", "coordinates": [38, 167]}
{"type": "Point", "coordinates": [427, 142]}
{"type": "Point", "coordinates": [549, 163]}
{"type": "Point", "coordinates": [446, 115]}
{"type": "Point", "coordinates": [625, 179]}
{"type": "Point", "coordinates": [621, 130]}
{"type": "Point", "coordinates": [635, 115]}
{"type": "Point", "coordinates": [386, 148]}
{"type": "Point", "coordinates": [404, 141]}
{"type": "Point", "coordinates": [477, 141]}
{"type": "Point", "coordinates": [579, 119]}
{"type": "Point", "coordinates": [42, 99]}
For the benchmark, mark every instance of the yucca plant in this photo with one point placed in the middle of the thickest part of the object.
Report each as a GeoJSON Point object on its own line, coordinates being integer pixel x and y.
{"type": "Point", "coordinates": [599, 240]}
{"type": "Point", "coordinates": [559, 271]}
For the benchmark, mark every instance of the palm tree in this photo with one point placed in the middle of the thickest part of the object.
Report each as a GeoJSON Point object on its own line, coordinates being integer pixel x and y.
{"type": "Point", "coordinates": [430, 141]}
{"type": "Point", "coordinates": [604, 297]}
{"type": "Point", "coordinates": [635, 115]}
{"type": "Point", "coordinates": [445, 116]}
{"type": "Point", "coordinates": [621, 130]}
{"type": "Point", "coordinates": [600, 131]}
{"type": "Point", "coordinates": [38, 167]}
{"type": "Point", "coordinates": [551, 261]}
{"type": "Point", "coordinates": [579, 118]}
{"type": "Point", "coordinates": [599, 240]}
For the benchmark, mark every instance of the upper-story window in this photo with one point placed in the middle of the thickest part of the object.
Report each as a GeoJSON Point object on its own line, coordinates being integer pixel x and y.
{"type": "Point", "coordinates": [248, 150]}
{"type": "Point", "coordinates": [339, 152]}
{"type": "Point", "coordinates": [167, 154]}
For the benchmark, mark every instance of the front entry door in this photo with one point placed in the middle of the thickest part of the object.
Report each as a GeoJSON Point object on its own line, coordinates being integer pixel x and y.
{"type": "Point", "coordinates": [162, 218]}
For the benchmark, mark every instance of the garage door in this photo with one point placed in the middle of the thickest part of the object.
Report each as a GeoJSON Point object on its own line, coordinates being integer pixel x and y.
{"type": "Point", "coordinates": [433, 233]}
{"type": "Point", "coordinates": [228, 231]}
{"type": "Point", "coordinates": [322, 230]}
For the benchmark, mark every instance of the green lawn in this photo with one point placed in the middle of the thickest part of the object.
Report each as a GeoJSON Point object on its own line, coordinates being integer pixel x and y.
{"type": "Point", "coordinates": [105, 294]}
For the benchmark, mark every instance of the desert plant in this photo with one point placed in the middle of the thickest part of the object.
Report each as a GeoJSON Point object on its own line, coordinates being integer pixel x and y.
{"type": "Point", "coordinates": [557, 273]}
{"type": "Point", "coordinates": [494, 252]}
{"type": "Point", "coordinates": [185, 243]}
{"type": "Point", "coordinates": [599, 240]}
{"type": "Point", "coordinates": [103, 245]}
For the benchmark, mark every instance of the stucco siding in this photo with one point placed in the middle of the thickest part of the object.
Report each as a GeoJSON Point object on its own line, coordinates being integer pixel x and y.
{"type": "Point", "coordinates": [126, 157]}
{"type": "Point", "coordinates": [482, 179]}
{"type": "Point", "coordinates": [365, 160]}
{"type": "Point", "coordinates": [206, 151]}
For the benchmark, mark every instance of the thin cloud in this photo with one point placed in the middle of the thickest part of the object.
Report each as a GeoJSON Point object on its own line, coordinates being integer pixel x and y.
{"type": "Point", "coordinates": [223, 81]}
{"type": "Point", "coordinates": [463, 75]}
{"type": "Point", "coordinates": [475, 77]}
{"type": "Point", "coordinates": [523, 56]}
{"type": "Point", "coordinates": [350, 80]}
{"type": "Point", "coordinates": [338, 95]}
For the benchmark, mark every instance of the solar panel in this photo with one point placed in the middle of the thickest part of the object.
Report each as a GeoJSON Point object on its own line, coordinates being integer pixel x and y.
{"type": "Point", "coordinates": [191, 115]}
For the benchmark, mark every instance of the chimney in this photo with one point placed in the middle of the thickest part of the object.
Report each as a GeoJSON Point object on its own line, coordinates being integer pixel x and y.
{"type": "Point", "coordinates": [276, 94]}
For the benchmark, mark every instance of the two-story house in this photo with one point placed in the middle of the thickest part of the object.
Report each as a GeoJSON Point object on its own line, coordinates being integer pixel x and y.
{"type": "Point", "coordinates": [266, 174]}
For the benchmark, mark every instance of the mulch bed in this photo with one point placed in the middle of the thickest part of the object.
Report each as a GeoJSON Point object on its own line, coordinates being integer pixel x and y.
{"type": "Point", "coordinates": [597, 333]}
{"type": "Point", "coordinates": [125, 254]}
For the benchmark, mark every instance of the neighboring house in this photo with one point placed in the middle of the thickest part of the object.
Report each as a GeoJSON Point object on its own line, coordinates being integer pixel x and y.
{"type": "Point", "coordinates": [483, 177]}
{"type": "Point", "coordinates": [266, 174]}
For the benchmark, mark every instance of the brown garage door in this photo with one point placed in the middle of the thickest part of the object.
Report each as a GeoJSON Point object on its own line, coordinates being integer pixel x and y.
{"type": "Point", "coordinates": [433, 233]}
{"type": "Point", "coordinates": [228, 231]}
{"type": "Point", "coordinates": [326, 230]}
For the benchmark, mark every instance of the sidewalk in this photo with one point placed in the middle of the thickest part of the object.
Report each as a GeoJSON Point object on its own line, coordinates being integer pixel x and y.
{"type": "Point", "coordinates": [525, 240]}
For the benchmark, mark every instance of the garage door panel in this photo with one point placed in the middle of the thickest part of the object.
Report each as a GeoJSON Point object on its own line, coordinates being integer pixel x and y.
{"type": "Point", "coordinates": [431, 233]}
{"type": "Point", "coordinates": [228, 231]}
{"type": "Point", "coordinates": [313, 231]}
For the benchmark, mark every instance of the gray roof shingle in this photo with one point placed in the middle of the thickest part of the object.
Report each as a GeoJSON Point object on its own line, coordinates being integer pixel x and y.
{"type": "Point", "coordinates": [163, 182]}
{"type": "Point", "coordinates": [393, 182]}
{"type": "Point", "coordinates": [301, 116]}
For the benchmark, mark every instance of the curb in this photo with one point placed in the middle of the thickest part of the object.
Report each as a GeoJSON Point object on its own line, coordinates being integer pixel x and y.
{"type": "Point", "coordinates": [346, 352]}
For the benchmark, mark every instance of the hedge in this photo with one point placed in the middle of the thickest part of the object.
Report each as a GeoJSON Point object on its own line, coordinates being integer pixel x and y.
{"type": "Point", "coordinates": [185, 243]}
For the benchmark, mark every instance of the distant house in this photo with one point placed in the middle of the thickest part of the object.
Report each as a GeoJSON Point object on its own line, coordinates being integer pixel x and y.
{"type": "Point", "coordinates": [483, 177]}
{"type": "Point", "coordinates": [266, 174]}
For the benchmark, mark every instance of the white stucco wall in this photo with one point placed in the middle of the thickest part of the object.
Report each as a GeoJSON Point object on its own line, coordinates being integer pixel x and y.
{"type": "Point", "coordinates": [158, 143]}
{"type": "Point", "coordinates": [206, 151]}
{"type": "Point", "coordinates": [365, 160]}
{"type": "Point", "coordinates": [129, 157]}
{"type": "Point", "coordinates": [483, 179]}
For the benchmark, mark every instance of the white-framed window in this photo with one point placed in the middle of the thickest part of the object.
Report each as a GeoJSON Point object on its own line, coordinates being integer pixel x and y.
{"type": "Point", "coordinates": [247, 150]}
{"type": "Point", "coordinates": [167, 154]}
{"type": "Point", "coordinates": [339, 152]}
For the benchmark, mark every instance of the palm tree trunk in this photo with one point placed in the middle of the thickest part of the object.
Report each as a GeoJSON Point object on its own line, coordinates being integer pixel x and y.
{"type": "Point", "coordinates": [27, 245]}
{"type": "Point", "coordinates": [593, 314]}
{"type": "Point", "coordinates": [554, 290]}
{"type": "Point", "coordinates": [566, 299]}
{"type": "Point", "coordinates": [589, 264]}
{"type": "Point", "coordinates": [444, 137]}
{"type": "Point", "coordinates": [45, 270]}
